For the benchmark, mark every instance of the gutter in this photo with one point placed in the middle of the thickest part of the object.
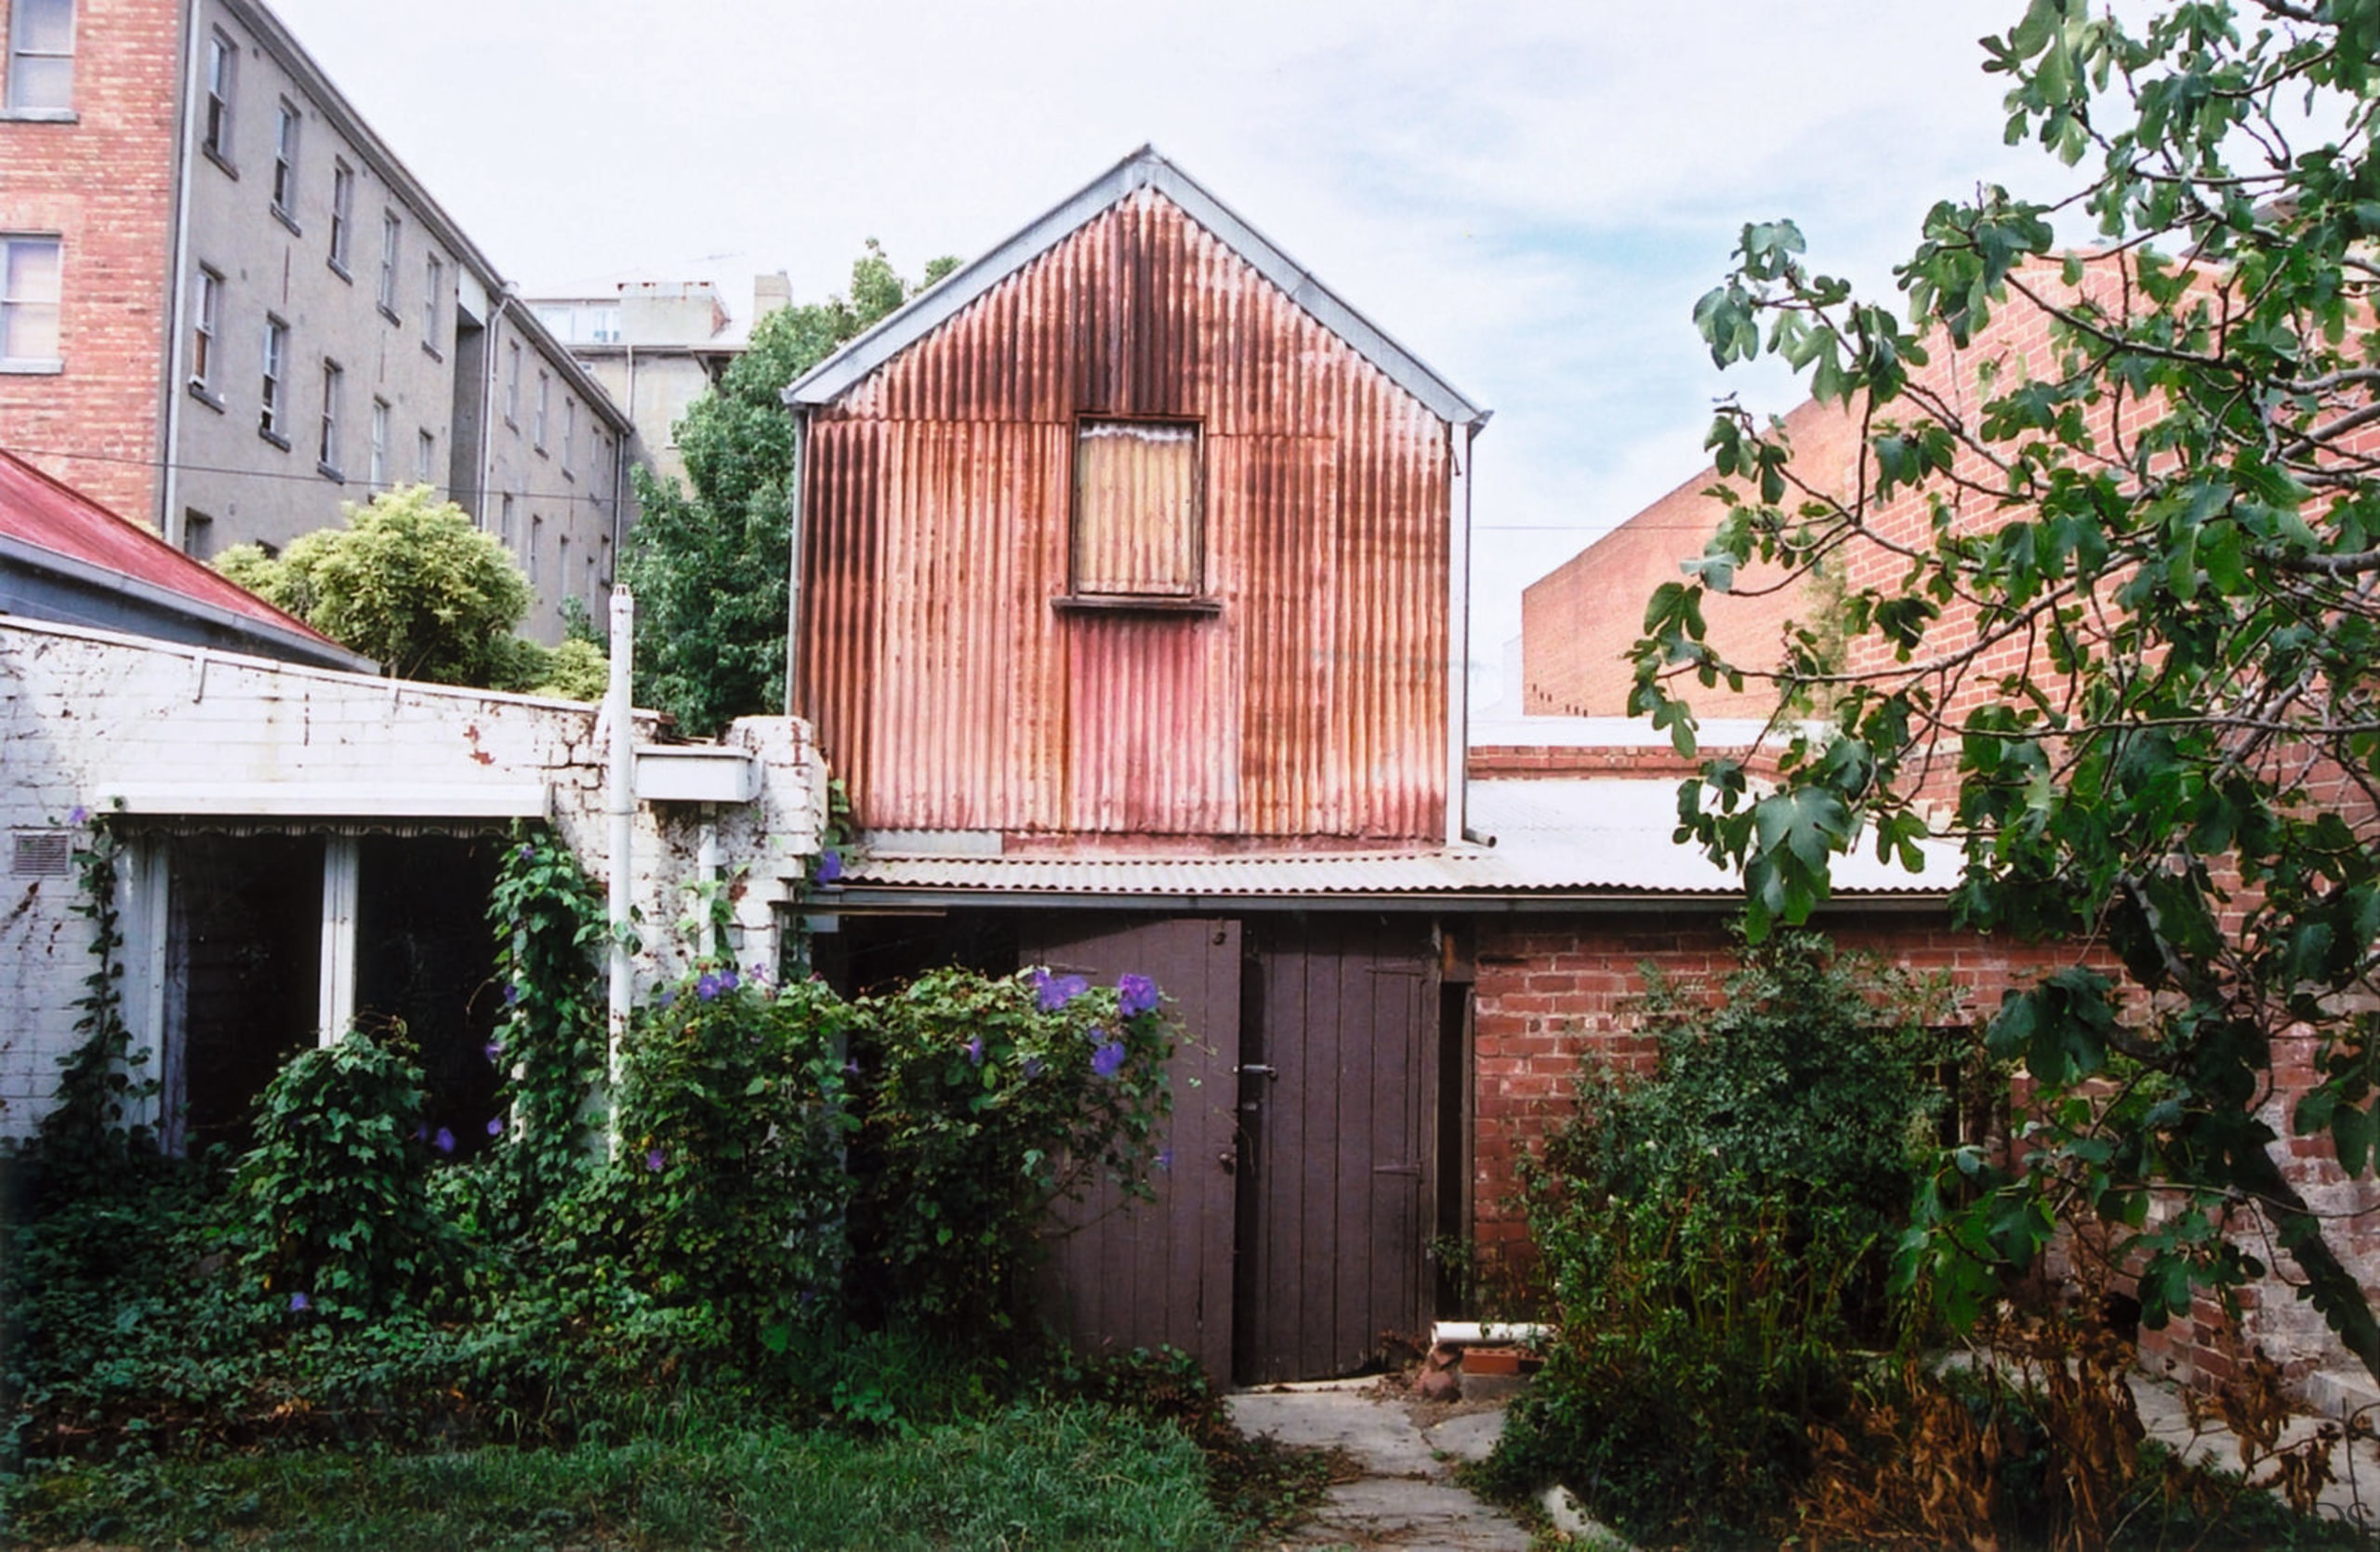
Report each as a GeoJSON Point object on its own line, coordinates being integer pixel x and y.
{"type": "Point", "coordinates": [798, 504]}
{"type": "Point", "coordinates": [862, 900]}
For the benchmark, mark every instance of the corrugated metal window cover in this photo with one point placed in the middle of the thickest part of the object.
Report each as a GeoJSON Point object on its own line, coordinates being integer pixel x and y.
{"type": "Point", "coordinates": [1136, 509]}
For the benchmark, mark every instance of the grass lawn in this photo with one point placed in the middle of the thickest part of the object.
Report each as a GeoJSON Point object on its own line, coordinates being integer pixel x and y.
{"type": "Point", "coordinates": [1047, 1475]}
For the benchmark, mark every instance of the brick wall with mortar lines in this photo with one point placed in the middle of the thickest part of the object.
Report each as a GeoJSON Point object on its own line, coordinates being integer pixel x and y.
{"type": "Point", "coordinates": [82, 712]}
{"type": "Point", "coordinates": [103, 183]}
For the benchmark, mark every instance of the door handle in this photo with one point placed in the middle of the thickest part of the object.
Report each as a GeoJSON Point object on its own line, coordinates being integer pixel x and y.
{"type": "Point", "coordinates": [1258, 1070]}
{"type": "Point", "coordinates": [1414, 1170]}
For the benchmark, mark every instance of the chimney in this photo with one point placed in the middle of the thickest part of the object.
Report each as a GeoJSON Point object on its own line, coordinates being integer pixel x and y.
{"type": "Point", "coordinates": [770, 293]}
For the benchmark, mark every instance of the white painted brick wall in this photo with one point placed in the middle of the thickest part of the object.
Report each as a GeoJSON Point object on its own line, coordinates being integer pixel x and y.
{"type": "Point", "coordinates": [85, 712]}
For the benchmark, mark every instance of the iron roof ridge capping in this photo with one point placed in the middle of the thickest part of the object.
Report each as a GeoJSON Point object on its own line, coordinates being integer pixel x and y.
{"type": "Point", "coordinates": [1145, 168]}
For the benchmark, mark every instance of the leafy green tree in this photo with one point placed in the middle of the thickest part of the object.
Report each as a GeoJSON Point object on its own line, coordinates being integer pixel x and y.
{"type": "Point", "coordinates": [709, 565]}
{"type": "Point", "coordinates": [409, 581]}
{"type": "Point", "coordinates": [2170, 522]}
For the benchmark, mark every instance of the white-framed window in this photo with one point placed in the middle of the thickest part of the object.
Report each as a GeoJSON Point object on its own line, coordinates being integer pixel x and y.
{"type": "Point", "coordinates": [276, 366]}
{"type": "Point", "coordinates": [569, 433]}
{"type": "Point", "coordinates": [41, 57]}
{"type": "Point", "coordinates": [536, 542]}
{"type": "Point", "coordinates": [538, 427]}
{"type": "Point", "coordinates": [425, 459]}
{"type": "Point", "coordinates": [380, 443]}
{"type": "Point", "coordinates": [562, 564]}
{"type": "Point", "coordinates": [433, 291]}
{"type": "Point", "coordinates": [198, 535]}
{"type": "Point", "coordinates": [286, 129]}
{"type": "Point", "coordinates": [1136, 509]}
{"type": "Point", "coordinates": [504, 520]}
{"type": "Point", "coordinates": [327, 451]}
{"type": "Point", "coordinates": [392, 236]}
{"type": "Point", "coordinates": [205, 326]}
{"type": "Point", "coordinates": [31, 284]}
{"type": "Point", "coordinates": [512, 384]}
{"type": "Point", "coordinates": [342, 214]}
{"type": "Point", "coordinates": [222, 81]}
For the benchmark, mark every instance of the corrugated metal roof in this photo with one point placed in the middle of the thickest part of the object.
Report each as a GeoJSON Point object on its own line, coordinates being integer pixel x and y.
{"type": "Point", "coordinates": [57, 528]}
{"type": "Point", "coordinates": [1143, 168]}
{"type": "Point", "coordinates": [1556, 839]}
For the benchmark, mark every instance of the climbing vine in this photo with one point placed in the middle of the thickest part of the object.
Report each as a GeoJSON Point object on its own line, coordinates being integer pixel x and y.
{"type": "Point", "coordinates": [102, 1084]}
{"type": "Point", "coordinates": [549, 924]}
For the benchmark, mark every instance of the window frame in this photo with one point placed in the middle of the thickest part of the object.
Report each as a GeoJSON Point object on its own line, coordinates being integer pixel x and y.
{"type": "Point", "coordinates": [378, 477]}
{"type": "Point", "coordinates": [434, 281]}
{"type": "Point", "coordinates": [207, 335]}
{"type": "Point", "coordinates": [288, 136]}
{"type": "Point", "coordinates": [1190, 597]}
{"type": "Point", "coordinates": [569, 432]}
{"type": "Point", "coordinates": [327, 451]}
{"type": "Point", "coordinates": [425, 455]}
{"type": "Point", "coordinates": [12, 305]}
{"type": "Point", "coordinates": [222, 93]}
{"type": "Point", "coordinates": [545, 400]}
{"type": "Point", "coordinates": [392, 238]}
{"type": "Point", "coordinates": [273, 383]}
{"type": "Point", "coordinates": [512, 385]}
{"type": "Point", "coordinates": [13, 103]}
{"type": "Point", "coordinates": [342, 216]}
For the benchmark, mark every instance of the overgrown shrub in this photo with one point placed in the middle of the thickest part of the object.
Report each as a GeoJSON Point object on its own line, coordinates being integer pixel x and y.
{"type": "Point", "coordinates": [985, 1100]}
{"type": "Point", "coordinates": [1714, 1239]}
{"type": "Point", "coordinates": [335, 1197]}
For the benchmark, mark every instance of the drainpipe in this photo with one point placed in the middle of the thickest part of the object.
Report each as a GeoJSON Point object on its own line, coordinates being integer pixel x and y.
{"type": "Point", "coordinates": [621, 808]}
{"type": "Point", "coordinates": [169, 507]}
{"type": "Point", "coordinates": [793, 561]}
{"type": "Point", "coordinates": [707, 863]}
{"type": "Point", "coordinates": [1459, 630]}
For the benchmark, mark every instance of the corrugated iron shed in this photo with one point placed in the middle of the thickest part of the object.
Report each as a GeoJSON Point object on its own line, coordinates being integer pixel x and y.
{"type": "Point", "coordinates": [63, 557]}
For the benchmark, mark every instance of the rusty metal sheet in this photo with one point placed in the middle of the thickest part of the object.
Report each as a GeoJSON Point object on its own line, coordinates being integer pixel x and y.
{"type": "Point", "coordinates": [949, 684]}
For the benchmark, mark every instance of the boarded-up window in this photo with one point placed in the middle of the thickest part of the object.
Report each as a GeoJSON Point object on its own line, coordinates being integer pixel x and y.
{"type": "Point", "coordinates": [1136, 509]}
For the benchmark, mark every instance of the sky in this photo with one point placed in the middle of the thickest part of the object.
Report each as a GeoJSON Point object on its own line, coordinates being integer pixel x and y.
{"type": "Point", "coordinates": [1530, 196]}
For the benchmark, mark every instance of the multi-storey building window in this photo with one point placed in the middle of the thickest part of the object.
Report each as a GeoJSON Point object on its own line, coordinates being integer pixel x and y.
{"type": "Point", "coordinates": [326, 454]}
{"type": "Point", "coordinates": [512, 385]}
{"type": "Point", "coordinates": [569, 433]}
{"type": "Point", "coordinates": [380, 443]}
{"type": "Point", "coordinates": [433, 292]}
{"type": "Point", "coordinates": [41, 57]}
{"type": "Point", "coordinates": [222, 77]}
{"type": "Point", "coordinates": [536, 542]}
{"type": "Point", "coordinates": [392, 236]}
{"type": "Point", "coordinates": [1136, 509]}
{"type": "Point", "coordinates": [276, 364]}
{"type": "Point", "coordinates": [538, 427]}
{"type": "Point", "coordinates": [206, 322]}
{"type": "Point", "coordinates": [342, 214]}
{"type": "Point", "coordinates": [29, 298]}
{"type": "Point", "coordinates": [504, 520]}
{"type": "Point", "coordinates": [425, 458]}
{"type": "Point", "coordinates": [285, 161]}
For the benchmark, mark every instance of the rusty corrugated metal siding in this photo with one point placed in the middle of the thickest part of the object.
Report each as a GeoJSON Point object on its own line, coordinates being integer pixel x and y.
{"type": "Point", "coordinates": [950, 693]}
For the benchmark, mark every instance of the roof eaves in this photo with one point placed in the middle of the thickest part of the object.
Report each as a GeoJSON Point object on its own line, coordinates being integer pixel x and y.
{"type": "Point", "coordinates": [312, 648]}
{"type": "Point", "coordinates": [1143, 168]}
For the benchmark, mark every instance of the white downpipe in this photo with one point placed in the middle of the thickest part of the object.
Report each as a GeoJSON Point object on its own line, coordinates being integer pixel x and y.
{"type": "Point", "coordinates": [621, 807]}
{"type": "Point", "coordinates": [1489, 1333]}
{"type": "Point", "coordinates": [706, 860]}
{"type": "Point", "coordinates": [341, 892]}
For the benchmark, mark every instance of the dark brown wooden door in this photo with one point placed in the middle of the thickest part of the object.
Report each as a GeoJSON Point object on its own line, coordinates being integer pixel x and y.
{"type": "Point", "coordinates": [1127, 1274]}
{"type": "Point", "coordinates": [1338, 1114]}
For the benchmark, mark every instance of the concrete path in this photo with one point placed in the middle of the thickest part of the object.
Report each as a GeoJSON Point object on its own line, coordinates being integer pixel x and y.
{"type": "Point", "coordinates": [1406, 1496]}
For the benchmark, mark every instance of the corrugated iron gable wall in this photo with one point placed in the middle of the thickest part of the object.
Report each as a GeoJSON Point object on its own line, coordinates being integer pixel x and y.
{"type": "Point", "coordinates": [950, 694]}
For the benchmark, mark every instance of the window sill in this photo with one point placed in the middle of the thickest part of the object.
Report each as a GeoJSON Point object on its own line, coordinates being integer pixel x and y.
{"type": "Point", "coordinates": [1135, 604]}
{"type": "Point", "coordinates": [274, 437]}
{"type": "Point", "coordinates": [40, 116]}
{"type": "Point", "coordinates": [285, 219]}
{"type": "Point", "coordinates": [206, 396]}
{"type": "Point", "coordinates": [327, 472]}
{"type": "Point", "coordinates": [433, 352]}
{"type": "Point", "coordinates": [215, 155]}
{"type": "Point", "coordinates": [390, 313]}
{"type": "Point", "coordinates": [339, 269]}
{"type": "Point", "coordinates": [47, 368]}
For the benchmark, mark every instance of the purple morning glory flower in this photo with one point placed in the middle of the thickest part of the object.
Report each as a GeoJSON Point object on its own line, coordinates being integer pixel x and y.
{"type": "Point", "coordinates": [527, 852]}
{"type": "Point", "coordinates": [654, 1160]}
{"type": "Point", "coordinates": [727, 979]}
{"type": "Point", "coordinates": [706, 986]}
{"type": "Point", "coordinates": [669, 995]}
{"type": "Point", "coordinates": [78, 815]}
{"type": "Point", "coordinates": [830, 866]}
{"type": "Point", "coordinates": [300, 1303]}
{"type": "Point", "coordinates": [975, 1051]}
{"type": "Point", "coordinates": [512, 993]}
{"type": "Point", "coordinates": [1033, 1067]}
{"type": "Point", "coordinates": [852, 1066]}
{"type": "Point", "coordinates": [443, 1142]}
{"type": "Point", "coordinates": [1164, 1159]}
{"type": "Point", "coordinates": [1052, 992]}
{"type": "Point", "coordinates": [1135, 994]}
{"type": "Point", "coordinates": [1108, 1059]}
{"type": "Point", "coordinates": [495, 1126]}
{"type": "Point", "coordinates": [421, 1132]}
{"type": "Point", "coordinates": [495, 1051]}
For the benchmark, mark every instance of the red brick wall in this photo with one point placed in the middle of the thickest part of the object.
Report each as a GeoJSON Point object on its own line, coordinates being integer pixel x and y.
{"type": "Point", "coordinates": [105, 185]}
{"type": "Point", "coordinates": [1554, 990]}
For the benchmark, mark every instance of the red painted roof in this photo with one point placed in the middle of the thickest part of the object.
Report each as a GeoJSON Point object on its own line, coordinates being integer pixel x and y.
{"type": "Point", "coordinates": [39, 510]}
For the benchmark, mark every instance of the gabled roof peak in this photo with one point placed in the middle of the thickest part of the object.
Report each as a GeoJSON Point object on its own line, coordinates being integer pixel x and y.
{"type": "Point", "coordinates": [1145, 168]}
